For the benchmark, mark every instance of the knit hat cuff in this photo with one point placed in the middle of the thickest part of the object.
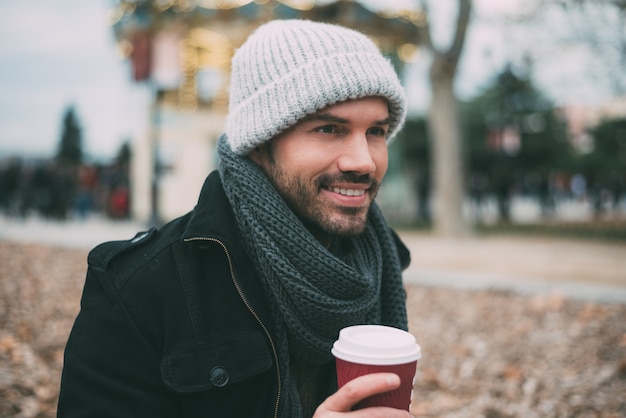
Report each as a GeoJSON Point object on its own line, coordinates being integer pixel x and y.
{"type": "Point", "coordinates": [309, 88]}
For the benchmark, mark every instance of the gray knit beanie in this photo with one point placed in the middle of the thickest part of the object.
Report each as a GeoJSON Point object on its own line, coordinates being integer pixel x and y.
{"type": "Point", "coordinates": [288, 69]}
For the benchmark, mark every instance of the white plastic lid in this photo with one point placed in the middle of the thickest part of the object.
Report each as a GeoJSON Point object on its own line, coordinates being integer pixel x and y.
{"type": "Point", "coordinates": [376, 345]}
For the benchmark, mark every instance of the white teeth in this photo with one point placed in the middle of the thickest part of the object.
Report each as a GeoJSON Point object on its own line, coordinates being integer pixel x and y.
{"type": "Point", "coordinates": [348, 192]}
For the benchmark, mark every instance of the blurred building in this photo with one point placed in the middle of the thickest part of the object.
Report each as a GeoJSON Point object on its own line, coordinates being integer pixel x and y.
{"type": "Point", "coordinates": [581, 118]}
{"type": "Point", "coordinates": [180, 52]}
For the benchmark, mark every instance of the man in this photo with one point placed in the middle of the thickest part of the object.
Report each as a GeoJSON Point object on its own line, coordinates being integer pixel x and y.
{"type": "Point", "coordinates": [232, 309]}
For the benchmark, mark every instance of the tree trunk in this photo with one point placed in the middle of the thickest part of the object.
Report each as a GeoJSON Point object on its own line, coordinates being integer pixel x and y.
{"type": "Point", "coordinates": [447, 157]}
{"type": "Point", "coordinates": [445, 134]}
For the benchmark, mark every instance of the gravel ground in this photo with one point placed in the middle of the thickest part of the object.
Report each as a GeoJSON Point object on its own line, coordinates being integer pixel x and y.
{"type": "Point", "coordinates": [485, 353]}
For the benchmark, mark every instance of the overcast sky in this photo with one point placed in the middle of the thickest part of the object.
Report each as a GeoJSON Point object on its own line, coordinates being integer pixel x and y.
{"type": "Point", "coordinates": [53, 54]}
{"type": "Point", "coordinates": [57, 53]}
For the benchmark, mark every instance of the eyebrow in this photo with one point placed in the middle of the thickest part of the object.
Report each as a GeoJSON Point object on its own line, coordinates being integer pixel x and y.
{"type": "Point", "coordinates": [328, 117]}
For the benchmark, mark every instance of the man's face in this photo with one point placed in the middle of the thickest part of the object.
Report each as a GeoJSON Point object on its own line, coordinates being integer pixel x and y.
{"type": "Point", "coordinates": [328, 166]}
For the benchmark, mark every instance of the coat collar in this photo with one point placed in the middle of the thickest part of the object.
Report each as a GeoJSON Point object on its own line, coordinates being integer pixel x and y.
{"type": "Point", "coordinates": [212, 217]}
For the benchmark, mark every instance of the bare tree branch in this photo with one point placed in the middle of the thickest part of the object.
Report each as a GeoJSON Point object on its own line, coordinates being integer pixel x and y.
{"type": "Point", "coordinates": [426, 37]}
{"type": "Point", "coordinates": [445, 62]}
{"type": "Point", "coordinates": [465, 9]}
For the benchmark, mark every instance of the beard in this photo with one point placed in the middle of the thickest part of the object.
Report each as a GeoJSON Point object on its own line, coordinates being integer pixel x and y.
{"type": "Point", "coordinates": [324, 219]}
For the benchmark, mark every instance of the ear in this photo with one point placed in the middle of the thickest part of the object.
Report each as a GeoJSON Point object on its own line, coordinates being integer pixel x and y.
{"type": "Point", "coordinates": [259, 155]}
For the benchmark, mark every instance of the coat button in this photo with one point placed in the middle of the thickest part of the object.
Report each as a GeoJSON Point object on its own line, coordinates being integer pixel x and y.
{"type": "Point", "coordinates": [219, 377]}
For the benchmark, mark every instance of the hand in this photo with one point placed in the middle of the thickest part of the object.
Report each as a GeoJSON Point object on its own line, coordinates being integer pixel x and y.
{"type": "Point", "coordinates": [340, 403]}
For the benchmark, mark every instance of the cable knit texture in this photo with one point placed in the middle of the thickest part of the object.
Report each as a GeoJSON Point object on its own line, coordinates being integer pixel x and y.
{"type": "Point", "coordinates": [288, 69]}
{"type": "Point", "coordinates": [313, 293]}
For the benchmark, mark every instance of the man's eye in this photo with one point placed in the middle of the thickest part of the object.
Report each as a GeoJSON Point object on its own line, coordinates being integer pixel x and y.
{"type": "Point", "coordinates": [377, 131]}
{"type": "Point", "coordinates": [327, 129]}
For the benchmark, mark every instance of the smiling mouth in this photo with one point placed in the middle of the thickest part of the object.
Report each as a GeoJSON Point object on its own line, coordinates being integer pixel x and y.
{"type": "Point", "coordinates": [347, 192]}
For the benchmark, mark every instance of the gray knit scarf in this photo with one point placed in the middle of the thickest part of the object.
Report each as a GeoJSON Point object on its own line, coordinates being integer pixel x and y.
{"type": "Point", "coordinates": [312, 292]}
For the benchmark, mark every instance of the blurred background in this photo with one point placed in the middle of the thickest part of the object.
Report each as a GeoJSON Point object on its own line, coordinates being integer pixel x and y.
{"type": "Point", "coordinates": [515, 145]}
{"type": "Point", "coordinates": [517, 109]}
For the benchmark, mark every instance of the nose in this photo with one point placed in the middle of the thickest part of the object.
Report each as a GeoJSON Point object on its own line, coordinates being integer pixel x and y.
{"type": "Point", "coordinates": [357, 156]}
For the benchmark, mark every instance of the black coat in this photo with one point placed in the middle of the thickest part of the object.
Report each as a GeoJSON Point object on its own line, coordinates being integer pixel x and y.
{"type": "Point", "coordinates": [174, 323]}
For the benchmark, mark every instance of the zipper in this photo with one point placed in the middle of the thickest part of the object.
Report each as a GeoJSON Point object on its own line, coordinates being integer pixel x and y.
{"type": "Point", "coordinates": [256, 316]}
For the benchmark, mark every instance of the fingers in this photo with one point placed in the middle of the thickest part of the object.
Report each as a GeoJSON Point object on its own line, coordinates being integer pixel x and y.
{"type": "Point", "coordinates": [360, 388]}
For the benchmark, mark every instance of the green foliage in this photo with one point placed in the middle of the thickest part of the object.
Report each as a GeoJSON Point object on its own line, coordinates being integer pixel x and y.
{"type": "Point", "coordinates": [70, 146]}
{"type": "Point", "coordinates": [513, 125]}
{"type": "Point", "coordinates": [539, 144]}
{"type": "Point", "coordinates": [124, 155]}
{"type": "Point", "coordinates": [516, 141]}
{"type": "Point", "coordinates": [415, 143]}
{"type": "Point", "coordinates": [609, 149]}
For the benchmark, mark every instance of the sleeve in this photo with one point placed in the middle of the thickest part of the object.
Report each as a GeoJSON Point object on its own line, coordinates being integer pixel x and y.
{"type": "Point", "coordinates": [109, 369]}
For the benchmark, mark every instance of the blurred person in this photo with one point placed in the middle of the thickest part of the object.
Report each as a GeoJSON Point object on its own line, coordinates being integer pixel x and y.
{"type": "Point", "coordinates": [38, 190]}
{"type": "Point", "coordinates": [423, 185]}
{"type": "Point", "coordinates": [9, 185]}
{"type": "Point", "coordinates": [578, 186]}
{"type": "Point", "coordinates": [87, 184]}
{"type": "Point", "coordinates": [502, 183]}
{"type": "Point", "coordinates": [119, 202]}
{"type": "Point", "coordinates": [232, 309]}
{"type": "Point", "coordinates": [545, 193]}
{"type": "Point", "coordinates": [617, 184]}
{"type": "Point", "coordinates": [478, 188]}
{"type": "Point", "coordinates": [63, 189]}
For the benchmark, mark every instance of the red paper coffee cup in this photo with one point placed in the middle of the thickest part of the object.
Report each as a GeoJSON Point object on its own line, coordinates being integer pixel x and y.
{"type": "Point", "coordinates": [364, 349]}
